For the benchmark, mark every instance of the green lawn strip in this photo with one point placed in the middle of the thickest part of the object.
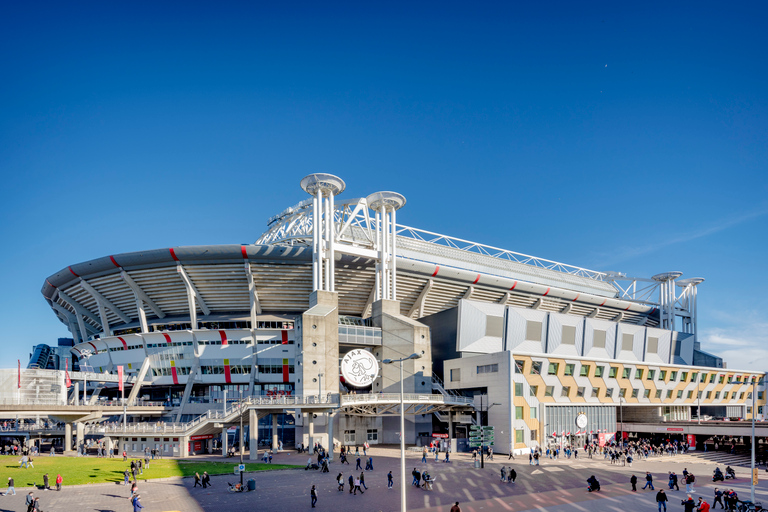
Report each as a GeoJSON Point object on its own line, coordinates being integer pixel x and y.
{"type": "Point", "coordinates": [90, 470]}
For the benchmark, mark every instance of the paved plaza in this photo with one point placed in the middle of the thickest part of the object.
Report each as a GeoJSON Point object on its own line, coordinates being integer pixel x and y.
{"type": "Point", "coordinates": [554, 486]}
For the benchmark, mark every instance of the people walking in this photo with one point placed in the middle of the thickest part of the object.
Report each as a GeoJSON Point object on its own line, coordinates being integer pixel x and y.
{"type": "Point", "coordinates": [357, 487]}
{"type": "Point", "coordinates": [45, 482]}
{"type": "Point", "coordinates": [340, 480]}
{"type": "Point", "coordinates": [313, 496]}
{"type": "Point", "coordinates": [11, 488]}
{"type": "Point", "coordinates": [197, 479]}
{"type": "Point", "coordinates": [136, 501]}
{"type": "Point", "coordinates": [512, 475]}
{"type": "Point", "coordinates": [633, 481]}
{"type": "Point", "coordinates": [456, 507]}
{"type": "Point", "coordinates": [661, 499]}
{"type": "Point", "coordinates": [59, 481]}
{"type": "Point", "coordinates": [648, 480]}
{"type": "Point", "coordinates": [390, 481]}
{"type": "Point", "coordinates": [362, 481]}
{"type": "Point", "coordinates": [688, 504]}
{"type": "Point", "coordinates": [351, 484]}
{"type": "Point", "coordinates": [718, 499]}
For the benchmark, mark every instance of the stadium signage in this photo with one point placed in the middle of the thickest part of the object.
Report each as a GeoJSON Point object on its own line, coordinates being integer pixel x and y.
{"type": "Point", "coordinates": [359, 368]}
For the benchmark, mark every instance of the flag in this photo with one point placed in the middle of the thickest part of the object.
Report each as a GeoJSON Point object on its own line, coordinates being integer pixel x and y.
{"type": "Point", "coordinates": [67, 381]}
{"type": "Point", "coordinates": [19, 383]}
{"type": "Point", "coordinates": [120, 377]}
{"type": "Point", "coordinates": [591, 431]}
{"type": "Point", "coordinates": [568, 434]}
{"type": "Point", "coordinates": [554, 434]}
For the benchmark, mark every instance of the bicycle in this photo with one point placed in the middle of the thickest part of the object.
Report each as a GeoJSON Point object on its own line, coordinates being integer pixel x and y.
{"type": "Point", "coordinates": [235, 488]}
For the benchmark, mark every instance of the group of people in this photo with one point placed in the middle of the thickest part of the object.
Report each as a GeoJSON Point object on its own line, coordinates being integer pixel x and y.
{"type": "Point", "coordinates": [422, 479]}
{"type": "Point", "coordinates": [205, 480]}
{"type": "Point", "coordinates": [355, 483]}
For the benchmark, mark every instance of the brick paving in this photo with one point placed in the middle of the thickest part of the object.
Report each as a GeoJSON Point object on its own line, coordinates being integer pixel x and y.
{"type": "Point", "coordinates": [555, 486]}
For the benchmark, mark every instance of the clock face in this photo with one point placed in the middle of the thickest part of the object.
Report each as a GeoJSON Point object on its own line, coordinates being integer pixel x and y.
{"type": "Point", "coordinates": [581, 420]}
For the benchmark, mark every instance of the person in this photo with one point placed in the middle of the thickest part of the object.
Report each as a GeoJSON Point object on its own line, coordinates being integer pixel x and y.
{"type": "Point", "coordinates": [362, 480]}
{"type": "Point", "coordinates": [718, 499]}
{"type": "Point", "coordinates": [456, 507]}
{"type": "Point", "coordinates": [369, 464]}
{"type": "Point", "coordinates": [661, 499]}
{"type": "Point", "coordinates": [340, 480]}
{"type": "Point", "coordinates": [447, 455]}
{"type": "Point", "coordinates": [53, 451]}
{"type": "Point", "coordinates": [357, 487]}
{"type": "Point", "coordinates": [141, 467]}
{"type": "Point", "coordinates": [30, 501]}
{"type": "Point", "coordinates": [673, 481]}
{"type": "Point", "coordinates": [702, 506]}
{"type": "Point", "coordinates": [11, 488]}
{"type": "Point", "coordinates": [718, 475]}
{"type": "Point", "coordinates": [197, 479]}
{"type": "Point", "coordinates": [424, 455]}
{"type": "Point", "coordinates": [357, 464]}
{"type": "Point", "coordinates": [390, 481]}
{"type": "Point", "coordinates": [415, 478]}
{"type": "Point", "coordinates": [512, 475]}
{"type": "Point", "coordinates": [729, 472]}
{"type": "Point", "coordinates": [134, 489]}
{"type": "Point", "coordinates": [206, 479]}
{"type": "Point", "coordinates": [137, 506]}
{"type": "Point", "coordinates": [689, 504]}
{"type": "Point", "coordinates": [125, 456]}
{"type": "Point", "coordinates": [59, 481]}
{"type": "Point", "coordinates": [45, 482]}
{"type": "Point", "coordinates": [633, 481]}
{"type": "Point", "coordinates": [313, 495]}
{"type": "Point", "coordinates": [594, 485]}
{"type": "Point", "coordinates": [503, 473]}
{"type": "Point", "coordinates": [648, 480]}
{"type": "Point", "coordinates": [351, 484]}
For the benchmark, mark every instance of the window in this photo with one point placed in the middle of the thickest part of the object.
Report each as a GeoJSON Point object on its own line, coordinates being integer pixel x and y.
{"type": "Point", "coordinates": [712, 378]}
{"type": "Point", "coordinates": [625, 373]}
{"type": "Point", "coordinates": [635, 392]}
{"type": "Point", "coordinates": [372, 434]}
{"type": "Point", "coordinates": [580, 392]}
{"type": "Point", "coordinates": [613, 371]}
{"type": "Point", "coordinates": [553, 367]}
{"type": "Point", "coordinates": [638, 374]}
{"type": "Point", "coordinates": [647, 393]}
{"type": "Point", "coordinates": [608, 392]}
{"type": "Point", "coordinates": [698, 395]}
{"type": "Point", "coordinates": [549, 390]}
{"type": "Point", "coordinates": [595, 392]}
{"type": "Point", "coordinates": [569, 370]}
{"type": "Point", "coordinates": [599, 370]}
{"type": "Point", "coordinates": [741, 396]}
{"type": "Point", "coordinates": [662, 374]}
{"type": "Point", "coordinates": [721, 379]}
{"type": "Point", "coordinates": [518, 389]}
{"type": "Point", "coordinates": [535, 367]}
{"type": "Point", "coordinates": [488, 368]}
{"type": "Point", "coordinates": [534, 414]}
{"type": "Point", "coordinates": [658, 393]}
{"type": "Point", "coordinates": [519, 436]}
{"type": "Point", "coordinates": [534, 390]}
{"type": "Point", "coordinates": [533, 330]}
{"type": "Point", "coordinates": [703, 377]}
{"type": "Point", "coordinates": [349, 437]}
{"type": "Point", "coordinates": [684, 377]}
{"type": "Point", "coordinates": [584, 372]}
{"type": "Point", "coordinates": [669, 393]}
{"type": "Point", "coordinates": [717, 395]}
{"type": "Point", "coordinates": [622, 393]}
{"type": "Point", "coordinates": [680, 394]}
{"type": "Point", "coordinates": [672, 376]}
{"type": "Point", "coordinates": [651, 374]}
{"type": "Point", "coordinates": [598, 339]}
{"type": "Point", "coordinates": [569, 335]}
{"type": "Point", "coordinates": [455, 374]}
{"type": "Point", "coordinates": [760, 395]}
{"type": "Point", "coordinates": [694, 376]}
{"type": "Point", "coordinates": [690, 394]}
{"type": "Point", "coordinates": [653, 345]}
{"type": "Point", "coordinates": [518, 413]}
{"type": "Point", "coordinates": [709, 395]}
{"type": "Point", "coordinates": [566, 391]}
{"type": "Point", "coordinates": [626, 342]}
{"type": "Point", "coordinates": [520, 364]}
{"type": "Point", "coordinates": [533, 434]}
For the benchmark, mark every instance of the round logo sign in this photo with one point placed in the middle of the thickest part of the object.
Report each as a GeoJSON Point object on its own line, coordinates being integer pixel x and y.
{"type": "Point", "coordinates": [581, 420]}
{"type": "Point", "coordinates": [359, 368]}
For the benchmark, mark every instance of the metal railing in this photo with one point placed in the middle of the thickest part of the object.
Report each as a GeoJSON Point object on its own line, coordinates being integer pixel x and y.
{"type": "Point", "coordinates": [407, 397]}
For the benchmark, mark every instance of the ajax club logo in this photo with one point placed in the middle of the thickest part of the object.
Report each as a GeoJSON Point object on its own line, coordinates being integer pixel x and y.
{"type": "Point", "coordinates": [359, 368]}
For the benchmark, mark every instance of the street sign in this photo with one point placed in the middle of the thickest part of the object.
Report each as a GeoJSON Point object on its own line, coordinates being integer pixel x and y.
{"type": "Point", "coordinates": [475, 439]}
{"type": "Point", "coordinates": [474, 445]}
{"type": "Point", "coordinates": [241, 467]}
{"type": "Point", "coordinates": [488, 428]}
{"type": "Point", "coordinates": [475, 427]}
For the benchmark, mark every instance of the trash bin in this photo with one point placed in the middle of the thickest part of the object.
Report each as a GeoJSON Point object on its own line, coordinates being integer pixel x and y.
{"type": "Point", "coordinates": [251, 484]}
{"type": "Point", "coordinates": [477, 464]}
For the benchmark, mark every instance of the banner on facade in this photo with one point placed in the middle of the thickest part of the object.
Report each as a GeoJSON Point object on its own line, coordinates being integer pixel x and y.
{"type": "Point", "coordinates": [120, 377]}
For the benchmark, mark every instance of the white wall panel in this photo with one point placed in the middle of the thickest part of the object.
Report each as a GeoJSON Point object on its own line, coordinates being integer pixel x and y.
{"type": "Point", "coordinates": [637, 333]}
{"type": "Point", "coordinates": [517, 324]}
{"type": "Point", "coordinates": [555, 343]}
{"type": "Point", "coordinates": [664, 345]}
{"type": "Point", "coordinates": [592, 325]}
{"type": "Point", "coordinates": [473, 335]}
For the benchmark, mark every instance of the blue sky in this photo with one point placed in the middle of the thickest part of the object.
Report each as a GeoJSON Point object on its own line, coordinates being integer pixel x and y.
{"type": "Point", "coordinates": [615, 136]}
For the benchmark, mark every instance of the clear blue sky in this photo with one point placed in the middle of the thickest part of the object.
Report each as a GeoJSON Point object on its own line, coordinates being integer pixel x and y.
{"type": "Point", "coordinates": [615, 136]}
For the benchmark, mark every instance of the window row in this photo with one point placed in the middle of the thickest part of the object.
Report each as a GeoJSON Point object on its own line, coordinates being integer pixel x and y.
{"type": "Point", "coordinates": [565, 391]}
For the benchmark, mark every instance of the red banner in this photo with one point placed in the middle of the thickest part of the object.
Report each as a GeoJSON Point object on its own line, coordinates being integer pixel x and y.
{"type": "Point", "coordinates": [691, 438]}
{"type": "Point", "coordinates": [441, 436]}
{"type": "Point", "coordinates": [120, 377]}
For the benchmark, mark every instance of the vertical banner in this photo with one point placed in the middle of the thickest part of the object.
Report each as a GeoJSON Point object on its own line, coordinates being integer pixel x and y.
{"type": "Point", "coordinates": [67, 380]}
{"type": "Point", "coordinates": [19, 380]}
{"type": "Point", "coordinates": [691, 438]}
{"type": "Point", "coordinates": [286, 376]}
{"type": "Point", "coordinates": [120, 377]}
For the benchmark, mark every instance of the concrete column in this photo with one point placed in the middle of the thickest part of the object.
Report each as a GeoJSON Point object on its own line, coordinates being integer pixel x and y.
{"type": "Point", "coordinates": [253, 435]}
{"type": "Point", "coordinates": [80, 429]}
{"type": "Point", "coordinates": [224, 440]}
{"type": "Point", "coordinates": [109, 446]}
{"type": "Point", "coordinates": [311, 431]}
{"type": "Point", "coordinates": [209, 446]}
{"type": "Point", "coordinates": [184, 446]}
{"type": "Point", "coordinates": [330, 437]}
{"type": "Point", "coordinates": [274, 431]}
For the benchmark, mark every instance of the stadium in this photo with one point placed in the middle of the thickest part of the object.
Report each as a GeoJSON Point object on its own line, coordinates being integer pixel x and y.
{"type": "Point", "coordinates": [546, 352]}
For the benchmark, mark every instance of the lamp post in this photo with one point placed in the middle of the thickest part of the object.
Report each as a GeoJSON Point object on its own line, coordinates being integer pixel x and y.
{"type": "Point", "coordinates": [752, 489]}
{"type": "Point", "coordinates": [402, 426]}
{"type": "Point", "coordinates": [241, 435]}
{"type": "Point", "coordinates": [482, 435]}
{"type": "Point", "coordinates": [621, 419]}
{"type": "Point", "coordinates": [319, 386]}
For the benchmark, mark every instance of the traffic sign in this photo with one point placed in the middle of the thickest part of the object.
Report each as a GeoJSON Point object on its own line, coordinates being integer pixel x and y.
{"type": "Point", "coordinates": [488, 428]}
{"type": "Point", "coordinates": [474, 445]}
{"type": "Point", "coordinates": [478, 439]}
{"type": "Point", "coordinates": [475, 427]}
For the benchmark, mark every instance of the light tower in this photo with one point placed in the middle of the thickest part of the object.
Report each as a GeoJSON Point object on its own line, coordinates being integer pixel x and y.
{"type": "Point", "coordinates": [322, 188]}
{"type": "Point", "coordinates": [667, 298]}
{"type": "Point", "coordinates": [385, 204]}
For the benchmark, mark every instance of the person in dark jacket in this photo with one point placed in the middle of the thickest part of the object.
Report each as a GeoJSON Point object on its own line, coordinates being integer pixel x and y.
{"type": "Point", "coordinates": [689, 504]}
{"type": "Point", "coordinates": [661, 499]}
{"type": "Point", "coordinates": [648, 480]}
{"type": "Point", "coordinates": [633, 481]}
{"type": "Point", "coordinates": [45, 482]}
{"type": "Point", "coordinates": [512, 475]}
{"type": "Point", "coordinates": [137, 506]}
{"type": "Point", "coordinates": [197, 479]}
{"type": "Point", "coordinates": [718, 499]}
{"type": "Point", "coordinates": [351, 484]}
{"type": "Point", "coordinates": [313, 495]}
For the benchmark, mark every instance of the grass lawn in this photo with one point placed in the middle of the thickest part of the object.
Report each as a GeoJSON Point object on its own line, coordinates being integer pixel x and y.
{"type": "Point", "coordinates": [90, 470]}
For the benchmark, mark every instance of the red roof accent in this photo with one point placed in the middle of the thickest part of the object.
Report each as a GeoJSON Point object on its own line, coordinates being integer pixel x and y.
{"type": "Point", "coordinates": [545, 293]}
{"type": "Point", "coordinates": [577, 297]}
{"type": "Point", "coordinates": [476, 279]}
{"type": "Point", "coordinates": [513, 286]}
{"type": "Point", "coordinates": [73, 272]}
{"type": "Point", "coordinates": [113, 261]}
{"type": "Point", "coordinates": [606, 300]}
{"type": "Point", "coordinates": [223, 338]}
{"type": "Point", "coordinates": [245, 254]}
{"type": "Point", "coordinates": [125, 345]}
{"type": "Point", "coordinates": [50, 283]}
{"type": "Point", "coordinates": [173, 255]}
{"type": "Point", "coordinates": [437, 269]}
{"type": "Point", "coordinates": [167, 338]}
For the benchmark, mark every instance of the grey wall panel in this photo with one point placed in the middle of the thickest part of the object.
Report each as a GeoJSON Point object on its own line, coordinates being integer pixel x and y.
{"type": "Point", "coordinates": [570, 324]}
{"type": "Point", "coordinates": [664, 343]}
{"type": "Point", "coordinates": [519, 332]}
{"type": "Point", "coordinates": [592, 334]}
{"type": "Point", "coordinates": [476, 319]}
{"type": "Point", "coordinates": [637, 335]}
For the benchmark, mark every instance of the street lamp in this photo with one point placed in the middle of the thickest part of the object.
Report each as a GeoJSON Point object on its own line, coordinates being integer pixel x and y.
{"type": "Point", "coordinates": [402, 426]}
{"type": "Point", "coordinates": [319, 386]}
{"type": "Point", "coordinates": [754, 411]}
{"type": "Point", "coordinates": [482, 436]}
{"type": "Point", "coordinates": [621, 419]}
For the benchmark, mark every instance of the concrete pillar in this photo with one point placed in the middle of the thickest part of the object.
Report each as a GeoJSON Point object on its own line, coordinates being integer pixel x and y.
{"type": "Point", "coordinates": [80, 429]}
{"type": "Point", "coordinates": [109, 446]}
{"type": "Point", "coordinates": [224, 441]}
{"type": "Point", "coordinates": [253, 435]}
{"type": "Point", "coordinates": [274, 431]}
{"type": "Point", "coordinates": [184, 446]}
{"type": "Point", "coordinates": [209, 446]}
{"type": "Point", "coordinates": [330, 437]}
{"type": "Point", "coordinates": [311, 435]}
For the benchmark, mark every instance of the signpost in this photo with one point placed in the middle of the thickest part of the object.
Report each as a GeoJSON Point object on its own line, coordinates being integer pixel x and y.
{"type": "Point", "coordinates": [480, 437]}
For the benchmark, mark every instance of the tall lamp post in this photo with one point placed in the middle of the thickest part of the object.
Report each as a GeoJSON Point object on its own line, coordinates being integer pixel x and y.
{"type": "Point", "coordinates": [402, 426]}
{"type": "Point", "coordinates": [754, 411]}
{"type": "Point", "coordinates": [621, 419]}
